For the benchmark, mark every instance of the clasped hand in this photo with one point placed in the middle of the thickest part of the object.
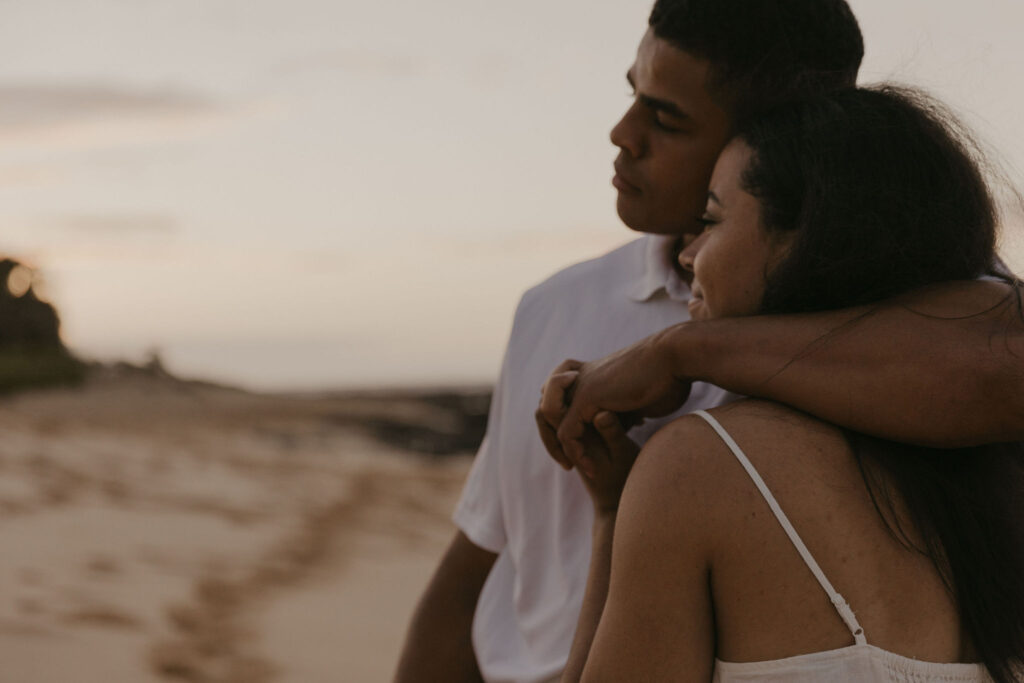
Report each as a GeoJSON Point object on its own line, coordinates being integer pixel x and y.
{"type": "Point", "coordinates": [587, 408]}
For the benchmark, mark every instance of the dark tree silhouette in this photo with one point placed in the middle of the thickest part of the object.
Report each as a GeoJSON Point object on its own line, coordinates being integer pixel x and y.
{"type": "Point", "coordinates": [25, 320]}
{"type": "Point", "coordinates": [31, 350]}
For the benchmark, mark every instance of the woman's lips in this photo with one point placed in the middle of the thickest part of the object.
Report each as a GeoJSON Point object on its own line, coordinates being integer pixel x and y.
{"type": "Point", "coordinates": [696, 308]}
{"type": "Point", "coordinates": [696, 299]}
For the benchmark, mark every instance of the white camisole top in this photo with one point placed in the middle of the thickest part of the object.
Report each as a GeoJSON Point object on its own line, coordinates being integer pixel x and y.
{"type": "Point", "coordinates": [857, 662]}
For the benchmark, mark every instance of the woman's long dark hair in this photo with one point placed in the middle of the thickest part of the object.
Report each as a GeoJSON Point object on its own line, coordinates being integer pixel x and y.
{"type": "Point", "coordinates": [883, 192]}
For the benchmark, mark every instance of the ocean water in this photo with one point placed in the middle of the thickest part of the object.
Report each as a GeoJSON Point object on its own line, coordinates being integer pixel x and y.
{"type": "Point", "coordinates": [324, 366]}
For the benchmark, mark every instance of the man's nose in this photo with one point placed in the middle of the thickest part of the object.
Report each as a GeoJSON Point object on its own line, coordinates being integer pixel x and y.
{"type": "Point", "coordinates": [627, 134]}
{"type": "Point", "coordinates": [689, 252]}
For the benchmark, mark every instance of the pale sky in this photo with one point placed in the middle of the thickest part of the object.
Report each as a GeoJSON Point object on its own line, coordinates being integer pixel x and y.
{"type": "Point", "coordinates": [327, 194]}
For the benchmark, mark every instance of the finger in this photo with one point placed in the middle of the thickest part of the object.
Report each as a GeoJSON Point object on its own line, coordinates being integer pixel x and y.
{"type": "Point", "coordinates": [629, 420]}
{"type": "Point", "coordinates": [586, 466]}
{"type": "Point", "coordinates": [549, 415]}
{"type": "Point", "coordinates": [567, 365]}
{"type": "Point", "coordinates": [570, 434]}
{"type": "Point", "coordinates": [592, 448]}
{"type": "Point", "coordinates": [608, 426]}
{"type": "Point", "coordinates": [549, 437]}
{"type": "Point", "coordinates": [613, 432]}
{"type": "Point", "coordinates": [552, 401]}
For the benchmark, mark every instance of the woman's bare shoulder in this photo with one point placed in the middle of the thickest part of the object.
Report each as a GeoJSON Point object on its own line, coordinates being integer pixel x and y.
{"type": "Point", "coordinates": [770, 421]}
{"type": "Point", "coordinates": [694, 468]}
{"type": "Point", "coordinates": [755, 424]}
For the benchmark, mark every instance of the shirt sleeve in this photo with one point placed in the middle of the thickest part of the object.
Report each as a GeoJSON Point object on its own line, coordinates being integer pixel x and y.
{"type": "Point", "coordinates": [479, 513]}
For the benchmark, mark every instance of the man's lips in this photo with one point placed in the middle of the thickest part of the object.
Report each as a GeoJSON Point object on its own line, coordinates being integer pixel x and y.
{"type": "Point", "coordinates": [622, 183]}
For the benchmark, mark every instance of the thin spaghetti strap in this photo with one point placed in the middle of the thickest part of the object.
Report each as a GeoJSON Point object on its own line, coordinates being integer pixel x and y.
{"type": "Point", "coordinates": [837, 600]}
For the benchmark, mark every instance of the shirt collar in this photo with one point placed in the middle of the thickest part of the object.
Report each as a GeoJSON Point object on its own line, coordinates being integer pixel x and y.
{"type": "Point", "coordinates": [657, 273]}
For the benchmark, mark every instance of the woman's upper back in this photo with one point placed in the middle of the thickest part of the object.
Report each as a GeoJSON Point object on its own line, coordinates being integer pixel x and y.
{"type": "Point", "coordinates": [768, 605]}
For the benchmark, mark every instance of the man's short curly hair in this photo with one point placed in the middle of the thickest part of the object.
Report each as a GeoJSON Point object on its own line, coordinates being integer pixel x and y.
{"type": "Point", "coordinates": [764, 51]}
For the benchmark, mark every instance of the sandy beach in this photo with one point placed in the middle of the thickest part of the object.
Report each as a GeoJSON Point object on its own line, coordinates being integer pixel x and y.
{"type": "Point", "coordinates": [157, 530]}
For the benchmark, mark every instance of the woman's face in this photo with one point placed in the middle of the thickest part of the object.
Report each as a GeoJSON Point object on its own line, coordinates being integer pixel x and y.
{"type": "Point", "coordinates": [732, 257]}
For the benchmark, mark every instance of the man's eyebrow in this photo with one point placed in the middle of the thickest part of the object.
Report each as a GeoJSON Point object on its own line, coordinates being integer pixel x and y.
{"type": "Point", "coordinates": [655, 103]}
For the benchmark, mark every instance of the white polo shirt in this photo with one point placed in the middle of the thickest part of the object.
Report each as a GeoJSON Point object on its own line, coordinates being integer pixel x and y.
{"type": "Point", "coordinates": [517, 501]}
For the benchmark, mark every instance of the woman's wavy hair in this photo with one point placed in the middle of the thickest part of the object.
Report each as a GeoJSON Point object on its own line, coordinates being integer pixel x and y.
{"type": "Point", "coordinates": [882, 191]}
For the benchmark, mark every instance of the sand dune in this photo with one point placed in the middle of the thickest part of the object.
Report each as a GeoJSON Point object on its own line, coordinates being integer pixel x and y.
{"type": "Point", "coordinates": [155, 530]}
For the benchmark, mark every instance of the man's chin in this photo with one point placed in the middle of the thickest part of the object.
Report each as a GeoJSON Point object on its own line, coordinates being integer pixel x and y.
{"type": "Point", "coordinates": [651, 227]}
{"type": "Point", "coordinates": [639, 220]}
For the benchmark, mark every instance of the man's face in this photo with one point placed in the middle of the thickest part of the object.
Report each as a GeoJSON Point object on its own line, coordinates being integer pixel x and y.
{"type": "Point", "coordinates": [668, 140]}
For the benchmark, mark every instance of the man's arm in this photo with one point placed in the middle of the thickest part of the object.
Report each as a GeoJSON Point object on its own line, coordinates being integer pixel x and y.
{"type": "Point", "coordinates": [942, 366]}
{"type": "Point", "coordinates": [438, 646]}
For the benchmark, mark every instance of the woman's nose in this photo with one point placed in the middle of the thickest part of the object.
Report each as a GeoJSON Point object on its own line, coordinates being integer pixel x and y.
{"type": "Point", "coordinates": [689, 252]}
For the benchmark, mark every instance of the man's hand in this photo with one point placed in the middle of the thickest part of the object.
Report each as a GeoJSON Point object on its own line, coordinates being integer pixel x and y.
{"type": "Point", "coordinates": [607, 455]}
{"type": "Point", "coordinates": [553, 404]}
{"type": "Point", "coordinates": [634, 383]}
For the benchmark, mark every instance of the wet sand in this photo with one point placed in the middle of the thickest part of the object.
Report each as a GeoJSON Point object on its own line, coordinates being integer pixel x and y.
{"type": "Point", "coordinates": [155, 530]}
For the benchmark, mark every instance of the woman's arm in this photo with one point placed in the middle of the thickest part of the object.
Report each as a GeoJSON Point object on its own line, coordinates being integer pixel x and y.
{"type": "Point", "coordinates": [595, 597]}
{"type": "Point", "coordinates": [647, 613]}
{"type": "Point", "coordinates": [610, 457]}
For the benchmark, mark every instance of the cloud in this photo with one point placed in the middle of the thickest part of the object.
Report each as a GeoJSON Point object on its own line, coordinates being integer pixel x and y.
{"type": "Point", "coordinates": [26, 106]}
{"type": "Point", "coordinates": [114, 225]}
{"type": "Point", "coordinates": [100, 115]}
{"type": "Point", "coordinates": [111, 235]}
{"type": "Point", "coordinates": [155, 240]}
{"type": "Point", "coordinates": [573, 241]}
{"type": "Point", "coordinates": [356, 61]}
{"type": "Point", "coordinates": [483, 70]}
{"type": "Point", "coordinates": [31, 175]}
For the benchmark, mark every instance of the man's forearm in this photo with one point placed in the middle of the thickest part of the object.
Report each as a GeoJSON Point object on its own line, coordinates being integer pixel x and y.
{"type": "Point", "coordinates": [943, 367]}
{"type": "Point", "coordinates": [438, 646]}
